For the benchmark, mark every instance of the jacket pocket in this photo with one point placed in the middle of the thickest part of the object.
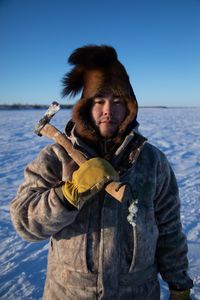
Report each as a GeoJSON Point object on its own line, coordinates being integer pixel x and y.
{"type": "Point", "coordinates": [145, 236]}
{"type": "Point", "coordinates": [71, 244]}
{"type": "Point", "coordinates": [72, 252]}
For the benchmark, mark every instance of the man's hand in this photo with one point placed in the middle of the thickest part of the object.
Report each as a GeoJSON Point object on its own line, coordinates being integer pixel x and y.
{"type": "Point", "coordinates": [90, 178]}
{"type": "Point", "coordinates": [180, 295]}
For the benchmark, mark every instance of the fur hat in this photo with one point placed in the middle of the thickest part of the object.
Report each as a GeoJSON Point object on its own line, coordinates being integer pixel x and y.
{"type": "Point", "coordinates": [97, 71]}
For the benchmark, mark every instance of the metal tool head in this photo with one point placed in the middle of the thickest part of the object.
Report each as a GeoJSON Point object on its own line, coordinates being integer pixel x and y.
{"type": "Point", "coordinates": [52, 110]}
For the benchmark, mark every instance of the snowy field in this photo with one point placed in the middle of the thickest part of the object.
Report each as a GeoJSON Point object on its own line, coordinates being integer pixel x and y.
{"type": "Point", "coordinates": [23, 265]}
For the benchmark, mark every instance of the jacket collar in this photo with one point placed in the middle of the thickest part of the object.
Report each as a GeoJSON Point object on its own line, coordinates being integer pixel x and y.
{"type": "Point", "coordinates": [113, 153]}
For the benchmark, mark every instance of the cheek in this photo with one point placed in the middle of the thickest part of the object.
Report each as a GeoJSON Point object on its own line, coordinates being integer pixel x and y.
{"type": "Point", "coordinates": [95, 113]}
{"type": "Point", "coordinates": [121, 114]}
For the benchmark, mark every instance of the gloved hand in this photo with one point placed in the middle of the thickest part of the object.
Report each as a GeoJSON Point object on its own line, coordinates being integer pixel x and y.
{"type": "Point", "coordinates": [88, 180]}
{"type": "Point", "coordinates": [180, 295]}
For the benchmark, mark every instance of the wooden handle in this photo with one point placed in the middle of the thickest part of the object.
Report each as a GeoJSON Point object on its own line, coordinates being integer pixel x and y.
{"type": "Point", "coordinates": [53, 133]}
{"type": "Point", "coordinates": [113, 189]}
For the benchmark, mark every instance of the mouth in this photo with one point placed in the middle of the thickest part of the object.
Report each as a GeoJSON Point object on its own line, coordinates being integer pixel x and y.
{"type": "Point", "coordinates": [107, 122]}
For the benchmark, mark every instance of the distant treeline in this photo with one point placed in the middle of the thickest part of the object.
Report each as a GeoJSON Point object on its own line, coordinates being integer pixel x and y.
{"type": "Point", "coordinates": [30, 106]}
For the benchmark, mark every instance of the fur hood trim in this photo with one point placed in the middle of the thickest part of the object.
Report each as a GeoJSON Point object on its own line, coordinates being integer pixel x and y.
{"type": "Point", "coordinates": [97, 71]}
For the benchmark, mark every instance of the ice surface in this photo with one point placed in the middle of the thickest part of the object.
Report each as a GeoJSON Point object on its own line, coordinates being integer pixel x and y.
{"type": "Point", "coordinates": [23, 265]}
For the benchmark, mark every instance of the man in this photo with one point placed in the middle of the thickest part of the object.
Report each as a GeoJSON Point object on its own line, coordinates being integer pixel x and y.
{"type": "Point", "coordinates": [101, 248]}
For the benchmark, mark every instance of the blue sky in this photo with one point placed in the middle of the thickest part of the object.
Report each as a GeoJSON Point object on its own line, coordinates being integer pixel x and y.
{"type": "Point", "coordinates": [158, 41]}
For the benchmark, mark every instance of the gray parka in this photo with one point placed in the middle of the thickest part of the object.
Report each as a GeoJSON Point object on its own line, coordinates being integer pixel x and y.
{"type": "Point", "coordinates": [95, 253]}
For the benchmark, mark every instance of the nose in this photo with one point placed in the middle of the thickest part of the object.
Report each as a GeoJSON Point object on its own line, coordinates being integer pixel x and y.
{"type": "Point", "coordinates": [108, 109]}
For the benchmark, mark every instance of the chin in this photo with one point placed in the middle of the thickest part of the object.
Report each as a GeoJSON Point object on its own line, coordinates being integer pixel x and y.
{"type": "Point", "coordinates": [107, 132]}
{"type": "Point", "coordinates": [107, 135]}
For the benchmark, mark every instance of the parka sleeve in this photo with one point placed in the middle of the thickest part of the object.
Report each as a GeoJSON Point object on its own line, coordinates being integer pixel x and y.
{"type": "Point", "coordinates": [172, 245]}
{"type": "Point", "coordinates": [38, 211]}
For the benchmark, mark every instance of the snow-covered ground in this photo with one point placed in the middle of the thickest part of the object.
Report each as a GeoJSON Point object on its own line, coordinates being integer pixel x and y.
{"type": "Point", "coordinates": [23, 264]}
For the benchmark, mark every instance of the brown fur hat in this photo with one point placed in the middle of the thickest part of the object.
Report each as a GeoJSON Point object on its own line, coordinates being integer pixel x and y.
{"type": "Point", "coordinates": [97, 71]}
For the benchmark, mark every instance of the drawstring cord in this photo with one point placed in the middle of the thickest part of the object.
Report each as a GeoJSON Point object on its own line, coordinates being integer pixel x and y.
{"type": "Point", "coordinates": [132, 218]}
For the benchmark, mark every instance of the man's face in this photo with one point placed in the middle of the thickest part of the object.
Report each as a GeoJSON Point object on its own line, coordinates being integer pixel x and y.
{"type": "Point", "coordinates": [108, 113]}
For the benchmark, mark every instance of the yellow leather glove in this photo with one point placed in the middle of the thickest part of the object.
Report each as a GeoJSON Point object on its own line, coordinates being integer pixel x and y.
{"type": "Point", "coordinates": [88, 180]}
{"type": "Point", "coordinates": [179, 295]}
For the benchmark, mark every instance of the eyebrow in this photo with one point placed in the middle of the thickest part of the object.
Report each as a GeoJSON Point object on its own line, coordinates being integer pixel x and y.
{"type": "Point", "coordinates": [113, 97]}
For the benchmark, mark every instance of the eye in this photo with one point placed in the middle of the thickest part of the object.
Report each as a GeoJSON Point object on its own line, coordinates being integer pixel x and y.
{"type": "Point", "coordinates": [118, 101]}
{"type": "Point", "coordinates": [99, 100]}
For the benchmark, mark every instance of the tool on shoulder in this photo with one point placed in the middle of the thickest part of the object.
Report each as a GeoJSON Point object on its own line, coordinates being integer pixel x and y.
{"type": "Point", "coordinates": [44, 128]}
